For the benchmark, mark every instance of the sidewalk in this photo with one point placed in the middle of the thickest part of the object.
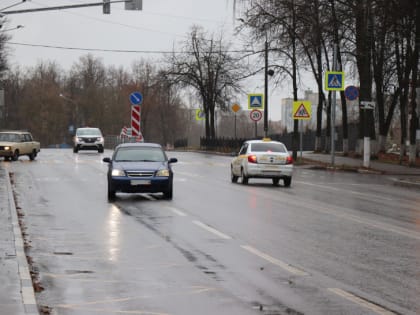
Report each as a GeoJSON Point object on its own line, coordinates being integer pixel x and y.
{"type": "Point", "coordinates": [17, 295]}
{"type": "Point", "coordinates": [400, 175]}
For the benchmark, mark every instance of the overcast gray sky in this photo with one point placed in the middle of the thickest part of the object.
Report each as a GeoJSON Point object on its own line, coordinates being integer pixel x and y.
{"type": "Point", "coordinates": [158, 27]}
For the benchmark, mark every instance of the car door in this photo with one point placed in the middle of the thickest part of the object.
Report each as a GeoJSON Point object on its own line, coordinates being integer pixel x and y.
{"type": "Point", "coordinates": [27, 143]}
{"type": "Point", "coordinates": [237, 162]}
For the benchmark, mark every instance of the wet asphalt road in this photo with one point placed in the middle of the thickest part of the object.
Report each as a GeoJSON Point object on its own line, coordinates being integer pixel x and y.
{"type": "Point", "coordinates": [333, 243]}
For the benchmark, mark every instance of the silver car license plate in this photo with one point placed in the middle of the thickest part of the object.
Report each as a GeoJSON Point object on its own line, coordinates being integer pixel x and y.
{"type": "Point", "coordinates": [137, 182]}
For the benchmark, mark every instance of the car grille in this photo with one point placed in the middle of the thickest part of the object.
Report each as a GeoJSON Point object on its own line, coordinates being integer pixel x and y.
{"type": "Point", "coordinates": [140, 174]}
{"type": "Point", "coordinates": [90, 140]}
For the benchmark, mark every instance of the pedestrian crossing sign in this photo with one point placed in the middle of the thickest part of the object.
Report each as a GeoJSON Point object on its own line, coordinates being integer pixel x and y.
{"type": "Point", "coordinates": [200, 114]}
{"type": "Point", "coordinates": [302, 110]}
{"type": "Point", "coordinates": [334, 81]}
{"type": "Point", "coordinates": [255, 101]}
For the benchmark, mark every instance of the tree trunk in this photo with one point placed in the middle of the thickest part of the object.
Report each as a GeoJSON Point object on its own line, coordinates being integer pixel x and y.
{"type": "Point", "coordinates": [295, 137]}
{"type": "Point", "coordinates": [413, 103]}
{"type": "Point", "coordinates": [363, 55]}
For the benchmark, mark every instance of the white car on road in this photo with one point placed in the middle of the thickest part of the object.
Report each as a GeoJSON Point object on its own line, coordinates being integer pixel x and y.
{"type": "Point", "coordinates": [263, 159]}
{"type": "Point", "coordinates": [88, 139]}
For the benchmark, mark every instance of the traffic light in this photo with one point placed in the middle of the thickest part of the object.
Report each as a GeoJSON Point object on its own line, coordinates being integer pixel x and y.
{"type": "Point", "coordinates": [133, 4]}
{"type": "Point", "coordinates": [106, 7]}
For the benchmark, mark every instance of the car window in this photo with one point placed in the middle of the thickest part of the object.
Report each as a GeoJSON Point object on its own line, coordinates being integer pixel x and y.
{"type": "Point", "coordinates": [4, 137]}
{"type": "Point", "coordinates": [243, 149]}
{"type": "Point", "coordinates": [9, 137]}
{"type": "Point", "coordinates": [268, 147]}
{"type": "Point", "coordinates": [28, 137]}
{"type": "Point", "coordinates": [88, 132]}
{"type": "Point", "coordinates": [140, 154]}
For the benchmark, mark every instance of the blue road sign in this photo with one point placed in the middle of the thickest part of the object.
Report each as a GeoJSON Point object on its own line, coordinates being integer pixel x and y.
{"type": "Point", "coordinates": [136, 98]}
{"type": "Point", "coordinates": [334, 81]}
{"type": "Point", "coordinates": [255, 101]}
{"type": "Point", "coordinates": [351, 92]}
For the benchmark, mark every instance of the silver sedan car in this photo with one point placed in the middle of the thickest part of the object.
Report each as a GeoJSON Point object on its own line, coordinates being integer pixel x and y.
{"type": "Point", "coordinates": [263, 159]}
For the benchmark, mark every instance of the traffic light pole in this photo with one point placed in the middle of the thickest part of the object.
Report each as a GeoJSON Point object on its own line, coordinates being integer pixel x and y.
{"type": "Point", "coordinates": [105, 4]}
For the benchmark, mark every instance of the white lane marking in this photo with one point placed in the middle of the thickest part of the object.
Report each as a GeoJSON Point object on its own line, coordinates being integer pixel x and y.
{"type": "Point", "coordinates": [368, 222]}
{"type": "Point", "coordinates": [343, 212]}
{"type": "Point", "coordinates": [275, 261]}
{"type": "Point", "coordinates": [353, 298]}
{"type": "Point", "coordinates": [329, 188]}
{"type": "Point", "coordinates": [149, 197]}
{"type": "Point", "coordinates": [195, 175]}
{"type": "Point", "coordinates": [212, 230]}
{"type": "Point", "coordinates": [176, 211]}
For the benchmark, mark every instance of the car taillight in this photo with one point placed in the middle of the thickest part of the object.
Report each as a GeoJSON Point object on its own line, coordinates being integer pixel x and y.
{"type": "Point", "coordinates": [252, 158]}
{"type": "Point", "coordinates": [289, 160]}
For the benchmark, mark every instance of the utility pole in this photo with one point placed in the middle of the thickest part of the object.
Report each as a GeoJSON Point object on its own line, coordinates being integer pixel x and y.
{"type": "Point", "coordinates": [266, 89]}
{"type": "Point", "coordinates": [267, 72]}
{"type": "Point", "coordinates": [333, 105]}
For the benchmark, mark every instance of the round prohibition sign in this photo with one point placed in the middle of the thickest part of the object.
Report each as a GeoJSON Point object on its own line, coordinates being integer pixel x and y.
{"type": "Point", "coordinates": [351, 93]}
{"type": "Point", "coordinates": [255, 115]}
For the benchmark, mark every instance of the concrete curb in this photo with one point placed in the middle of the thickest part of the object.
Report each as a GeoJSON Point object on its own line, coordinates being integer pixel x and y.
{"type": "Point", "coordinates": [406, 183]}
{"type": "Point", "coordinates": [27, 290]}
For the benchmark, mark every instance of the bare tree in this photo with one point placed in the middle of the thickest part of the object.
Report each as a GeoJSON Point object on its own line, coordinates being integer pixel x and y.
{"type": "Point", "coordinates": [4, 38]}
{"type": "Point", "coordinates": [414, 124]}
{"type": "Point", "coordinates": [206, 65]}
{"type": "Point", "coordinates": [116, 105]}
{"type": "Point", "coordinates": [87, 84]}
{"type": "Point", "coordinates": [33, 103]}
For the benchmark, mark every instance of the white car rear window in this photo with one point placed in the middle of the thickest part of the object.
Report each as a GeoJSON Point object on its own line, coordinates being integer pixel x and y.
{"type": "Point", "coordinates": [268, 147]}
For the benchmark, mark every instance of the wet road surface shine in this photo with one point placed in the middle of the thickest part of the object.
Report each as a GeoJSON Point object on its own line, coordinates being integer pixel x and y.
{"type": "Point", "coordinates": [217, 247]}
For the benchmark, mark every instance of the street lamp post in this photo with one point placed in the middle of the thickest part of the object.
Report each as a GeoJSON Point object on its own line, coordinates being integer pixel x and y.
{"type": "Point", "coordinates": [75, 112]}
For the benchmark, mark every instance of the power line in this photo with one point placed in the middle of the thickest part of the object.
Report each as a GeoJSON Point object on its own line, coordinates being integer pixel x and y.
{"type": "Point", "coordinates": [121, 50]}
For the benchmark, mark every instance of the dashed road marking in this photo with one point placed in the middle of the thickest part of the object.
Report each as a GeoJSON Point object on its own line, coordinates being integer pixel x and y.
{"type": "Point", "coordinates": [176, 211]}
{"type": "Point", "coordinates": [212, 230]}
{"type": "Point", "coordinates": [275, 261]}
{"type": "Point", "coordinates": [362, 302]}
{"type": "Point", "coordinates": [329, 188]}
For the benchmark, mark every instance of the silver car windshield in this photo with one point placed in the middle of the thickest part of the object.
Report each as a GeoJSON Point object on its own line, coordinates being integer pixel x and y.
{"type": "Point", "coordinates": [139, 154]}
{"type": "Point", "coordinates": [268, 147]}
{"type": "Point", "coordinates": [89, 132]}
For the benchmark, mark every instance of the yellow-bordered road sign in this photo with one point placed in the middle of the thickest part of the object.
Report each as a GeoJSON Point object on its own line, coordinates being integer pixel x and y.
{"type": "Point", "coordinates": [302, 110]}
{"type": "Point", "coordinates": [334, 81]}
{"type": "Point", "coordinates": [255, 101]}
{"type": "Point", "coordinates": [200, 114]}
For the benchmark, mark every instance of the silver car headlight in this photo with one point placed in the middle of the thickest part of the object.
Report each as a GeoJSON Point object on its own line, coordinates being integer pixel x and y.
{"type": "Point", "coordinates": [163, 173]}
{"type": "Point", "coordinates": [117, 172]}
{"type": "Point", "coordinates": [7, 148]}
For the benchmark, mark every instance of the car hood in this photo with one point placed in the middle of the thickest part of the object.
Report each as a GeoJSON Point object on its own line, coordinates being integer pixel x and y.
{"type": "Point", "coordinates": [139, 165]}
{"type": "Point", "coordinates": [7, 144]}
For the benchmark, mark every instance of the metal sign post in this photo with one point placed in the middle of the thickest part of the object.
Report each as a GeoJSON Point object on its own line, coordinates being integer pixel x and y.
{"type": "Point", "coordinates": [334, 81]}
